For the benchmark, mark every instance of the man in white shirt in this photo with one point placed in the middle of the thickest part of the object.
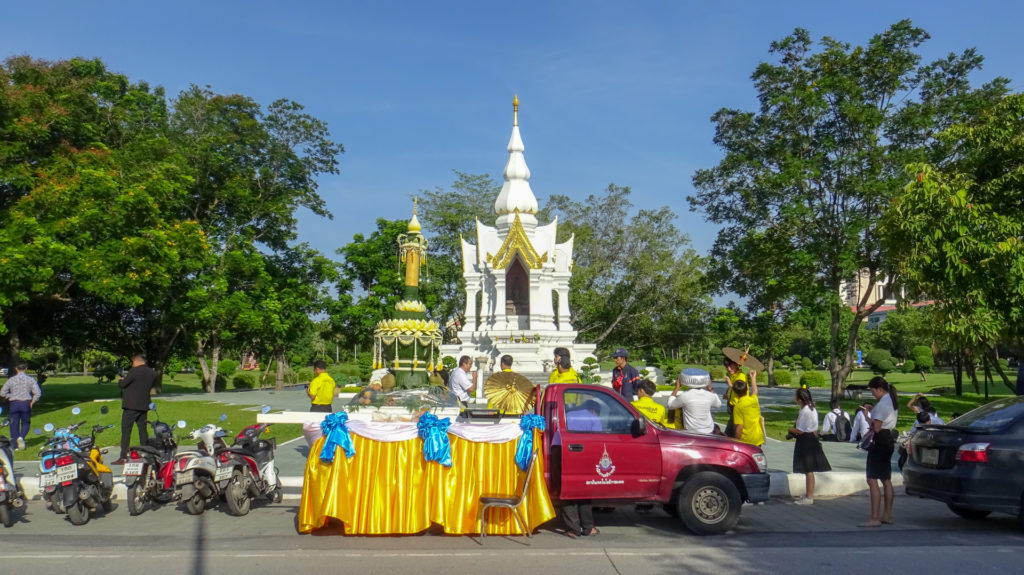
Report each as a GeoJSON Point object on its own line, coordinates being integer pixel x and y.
{"type": "Point", "coordinates": [459, 383]}
{"type": "Point", "coordinates": [697, 402]}
{"type": "Point", "coordinates": [828, 423]}
{"type": "Point", "coordinates": [861, 423]}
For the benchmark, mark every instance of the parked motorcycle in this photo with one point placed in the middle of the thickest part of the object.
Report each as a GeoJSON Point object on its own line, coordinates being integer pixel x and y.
{"type": "Point", "coordinates": [203, 473]}
{"type": "Point", "coordinates": [258, 476]}
{"type": "Point", "coordinates": [149, 471]}
{"type": "Point", "coordinates": [11, 495]}
{"type": "Point", "coordinates": [72, 475]}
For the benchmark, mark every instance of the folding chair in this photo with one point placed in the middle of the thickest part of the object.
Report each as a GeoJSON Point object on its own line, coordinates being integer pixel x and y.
{"type": "Point", "coordinates": [512, 503]}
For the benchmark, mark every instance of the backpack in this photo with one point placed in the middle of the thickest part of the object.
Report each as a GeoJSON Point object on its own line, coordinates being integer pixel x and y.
{"type": "Point", "coordinates": [843, 427]}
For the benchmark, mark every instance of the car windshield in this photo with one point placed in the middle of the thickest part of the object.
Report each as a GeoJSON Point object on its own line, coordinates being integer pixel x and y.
{"type": "Point", "coordinates": [994, 415]}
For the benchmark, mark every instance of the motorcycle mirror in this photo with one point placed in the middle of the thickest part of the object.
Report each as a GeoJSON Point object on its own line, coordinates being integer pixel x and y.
{"type": "Point", "coordinates": [48, 427]}
{"type": "Point", "coordinates": [104, 410]}
{"type": "Point", "coordinates": [220, 433]}
{"type": "Point", "coordinates": [37, 431]}
{"type": "Point", "coordinates": [76, 410]}
{"type": "Point", "coordinates": [152, 406]}
{"type": "Point", "coordinates": [181, 424]}
{"type": "Point", "coordinates": [265, 409]}
{"type": "Point", "coordinates": [5, 422]}
{"type": "Point", "coordinates": [223, 417]}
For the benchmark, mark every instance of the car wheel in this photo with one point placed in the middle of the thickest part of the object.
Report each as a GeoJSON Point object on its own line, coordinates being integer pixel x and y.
{"type": "Point", "coordinates": [967, 512]}
{"type": "Point", "coordinates": [709, 503]}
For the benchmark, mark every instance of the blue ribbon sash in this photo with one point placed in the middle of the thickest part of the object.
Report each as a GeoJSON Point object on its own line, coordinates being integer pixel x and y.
{"type": "Point", "coordinates": [436, 445]}
{"type": "Point", "coordinates": [336, 435]}
{"type": "Point", "coordinates": [524, 448]}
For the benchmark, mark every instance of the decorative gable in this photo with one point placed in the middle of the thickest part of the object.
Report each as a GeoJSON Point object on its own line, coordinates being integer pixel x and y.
{"type": "Point", "coordinates": [517, 242]}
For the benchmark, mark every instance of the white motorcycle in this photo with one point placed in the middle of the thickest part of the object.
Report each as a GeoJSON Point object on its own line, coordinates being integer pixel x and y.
{"type": "Point", "coordinates": [11, 495]}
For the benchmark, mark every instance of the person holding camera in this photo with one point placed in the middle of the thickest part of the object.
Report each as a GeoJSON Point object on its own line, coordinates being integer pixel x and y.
{"type": "Point", "coordinates": [808, 456]}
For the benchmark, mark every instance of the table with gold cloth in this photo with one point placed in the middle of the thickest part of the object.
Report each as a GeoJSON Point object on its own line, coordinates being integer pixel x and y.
{"type": "Point", "coordinates": [388, 488]}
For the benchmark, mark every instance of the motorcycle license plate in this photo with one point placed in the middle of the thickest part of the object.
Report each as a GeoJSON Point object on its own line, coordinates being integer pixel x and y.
{"type": "Point", "coordinates": [58, 476]}
{"type": "Point", "coordinates": [224, 473]}
{"type": "Point", "coordinates": [133, 468]}
{"type": "Point", "coordinates": [185, 477]}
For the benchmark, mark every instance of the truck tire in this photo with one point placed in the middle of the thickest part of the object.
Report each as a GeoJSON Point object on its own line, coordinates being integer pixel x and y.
{"type": "Point", "coordinates": [709, 503]}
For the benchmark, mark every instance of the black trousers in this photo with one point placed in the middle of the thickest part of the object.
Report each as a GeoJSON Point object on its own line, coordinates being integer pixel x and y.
{"type": "Point", "coordinates": [320, 408]}
{"type": "Point", "coordinates": [130, 417]}
{"type": "Point", "coordinates": [578, 516]}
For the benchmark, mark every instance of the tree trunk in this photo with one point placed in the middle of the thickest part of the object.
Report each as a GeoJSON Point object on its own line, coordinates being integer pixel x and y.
{"type": "Point", "coordinates": [13, 342]}
{"type": "Point", "coordinates": [203, 367]}
{"type": "Point", "coordinates": [958, 373]}
{"type": "Point", "coordinates": [214, 361]}
{"type": "Point", "coordinates": [279, 377]}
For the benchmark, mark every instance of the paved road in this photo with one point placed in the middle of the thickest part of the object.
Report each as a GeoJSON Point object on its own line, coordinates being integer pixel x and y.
{"type": "Point", "coordinates": [776, 537]}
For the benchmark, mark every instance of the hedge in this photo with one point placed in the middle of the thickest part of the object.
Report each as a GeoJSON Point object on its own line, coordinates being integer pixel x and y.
{"type": "Point", "coordinates": [783, 377]}
{"type": "Point", "coordinates": [812, 379]}
{"type": "Point", "coordinates": [244, 380]}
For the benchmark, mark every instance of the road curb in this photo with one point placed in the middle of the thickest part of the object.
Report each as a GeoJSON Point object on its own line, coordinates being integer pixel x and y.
{"type": "Point", "coordinates": [783, 485]}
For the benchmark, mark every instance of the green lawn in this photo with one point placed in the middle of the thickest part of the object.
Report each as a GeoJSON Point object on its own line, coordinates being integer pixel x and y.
{"type": "Point", "coordinates": [62, 393]}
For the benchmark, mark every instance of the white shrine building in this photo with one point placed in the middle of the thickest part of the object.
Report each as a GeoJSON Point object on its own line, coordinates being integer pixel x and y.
{"type": "Point", "coordinates": [517, 280]}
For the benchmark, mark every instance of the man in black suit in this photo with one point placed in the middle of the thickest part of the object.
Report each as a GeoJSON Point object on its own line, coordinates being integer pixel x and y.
{"type": "Point", "coordinates": [135, 390]}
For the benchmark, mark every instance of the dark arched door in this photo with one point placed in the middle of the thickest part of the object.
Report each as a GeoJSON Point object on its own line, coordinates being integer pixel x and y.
{"type": "Point", "coordinates": [517, 289]}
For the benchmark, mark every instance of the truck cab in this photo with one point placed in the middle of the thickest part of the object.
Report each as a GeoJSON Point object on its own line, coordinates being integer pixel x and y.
{"type": "Point", "coordinates": [598, 447]}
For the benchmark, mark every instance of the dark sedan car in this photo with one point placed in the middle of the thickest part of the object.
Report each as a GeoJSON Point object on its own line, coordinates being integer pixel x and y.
{"type": "Point", "coordinates": [975, 464]}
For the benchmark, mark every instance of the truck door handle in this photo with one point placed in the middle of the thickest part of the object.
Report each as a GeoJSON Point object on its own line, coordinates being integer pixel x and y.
{"type": "Point", "coordinates": [575, 447]}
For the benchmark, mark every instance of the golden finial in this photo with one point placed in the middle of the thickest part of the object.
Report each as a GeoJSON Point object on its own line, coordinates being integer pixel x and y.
{"type": "Point", "coordinates": [515, 110]}
{"type": "Point", "coordinates": [414, 223]}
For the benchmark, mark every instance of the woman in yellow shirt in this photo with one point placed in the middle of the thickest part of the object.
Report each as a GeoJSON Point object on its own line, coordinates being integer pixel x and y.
{"type": "Point", "coordinates": [746, 415]}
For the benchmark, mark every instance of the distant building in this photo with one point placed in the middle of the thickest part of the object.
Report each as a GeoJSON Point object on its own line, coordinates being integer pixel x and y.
{"type": "Point", "coordinates": [851, 293]}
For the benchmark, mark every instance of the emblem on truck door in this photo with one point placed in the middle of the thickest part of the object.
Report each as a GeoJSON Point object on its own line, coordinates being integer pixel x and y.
{"type": "Point", "coordinates": [604, 466]}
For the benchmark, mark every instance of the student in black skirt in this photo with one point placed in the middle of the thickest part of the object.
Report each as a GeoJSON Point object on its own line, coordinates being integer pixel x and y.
{"type": "Point", "coordinates": [879, 466]}
{"type": "Point", "coordinates": [808, 456]}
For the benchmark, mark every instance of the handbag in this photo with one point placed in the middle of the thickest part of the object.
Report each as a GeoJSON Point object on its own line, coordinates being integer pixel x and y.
{"type": "Point", "coordinates": [867, 441]}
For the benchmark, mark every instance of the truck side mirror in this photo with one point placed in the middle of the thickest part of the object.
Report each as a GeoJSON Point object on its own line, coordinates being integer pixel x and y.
{"type": "Point", "coordinates": [639, 427]}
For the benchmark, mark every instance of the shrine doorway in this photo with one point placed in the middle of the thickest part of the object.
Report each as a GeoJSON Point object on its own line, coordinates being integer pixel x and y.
{"type": "Point", "coordinates": [517, 290]}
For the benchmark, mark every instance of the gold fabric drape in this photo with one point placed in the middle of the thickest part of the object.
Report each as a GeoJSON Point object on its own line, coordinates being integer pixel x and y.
{"type": "Point", "coordinates": [388, 488]}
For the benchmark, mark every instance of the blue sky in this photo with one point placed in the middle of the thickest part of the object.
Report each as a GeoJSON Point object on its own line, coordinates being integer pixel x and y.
{"type": "Point", "coordinates": [610, 91]}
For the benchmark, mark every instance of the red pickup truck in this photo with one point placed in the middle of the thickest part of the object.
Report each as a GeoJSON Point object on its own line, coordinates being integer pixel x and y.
{"type": "Point", "coordinates": [609, 453]}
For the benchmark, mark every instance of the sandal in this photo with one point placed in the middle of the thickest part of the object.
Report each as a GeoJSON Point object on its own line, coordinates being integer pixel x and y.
{"type": "Point", "coordinates": [593, 532]}
{"type": "Point", "coordinates": [571, 534]}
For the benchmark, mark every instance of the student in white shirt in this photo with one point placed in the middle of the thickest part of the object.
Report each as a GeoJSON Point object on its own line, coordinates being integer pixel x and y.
{"type": "Point", "coordinates": [861, 423]}
{"type": "Point", "coordinates": [828, 423]}
{"type": "Point", "coordinates": [879, 465]}
{"type": "Point", "coordinates": [808, 456]}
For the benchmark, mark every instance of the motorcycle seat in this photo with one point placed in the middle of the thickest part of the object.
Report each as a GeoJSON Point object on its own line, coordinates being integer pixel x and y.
{"type": "Point", "coordinates": [147, 449]}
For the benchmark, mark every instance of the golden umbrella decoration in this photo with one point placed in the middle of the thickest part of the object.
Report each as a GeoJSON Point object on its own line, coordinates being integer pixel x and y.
{"type": "Point", "coordinates": [743, 358]}
{"type": "Point", "coordinates": [509, 392]}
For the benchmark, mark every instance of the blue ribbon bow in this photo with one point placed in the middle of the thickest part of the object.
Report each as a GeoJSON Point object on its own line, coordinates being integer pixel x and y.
{"type": "Point", "coordinates": [524, 448]}
{"type": "Point", "coordinates": [336, 435]}
{"type": "Point", "coordinates": [436, 445]}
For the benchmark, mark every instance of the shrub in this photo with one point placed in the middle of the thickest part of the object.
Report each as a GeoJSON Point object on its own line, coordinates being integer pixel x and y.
{"type": "Point", "coordinates": [221, 383]}
{"type": "Point", "coordinates": [788, 360]}
{"type": "Point", "coordinates": [365, 366]}
{"type": "Point", "coordinates": [227, 367]}
{"type": "Point", "coordinates": [304, 375]}
{"type": "Point", "coordinates": [717, 373]}
{"type": "Point", "coordinates": [783, 377]}
{"type": "Point", "coordinates": [908, 366]}
{"type": "Point", "coordinates": [812, 379]}
{"type": "Point", "coordinates": [449, 362]}
{"type": "Point", "coordinates": [806, 363]}
{"type": "Point", "coordinates": [244, 380]}
{"type": "Point", "coordinates": [922, 356]}
{"type": "Point", "coordinates": [105, 373]}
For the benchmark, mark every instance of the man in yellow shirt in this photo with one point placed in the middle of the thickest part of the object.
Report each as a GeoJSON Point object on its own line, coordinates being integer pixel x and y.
{"type": "Point", "coordinates": [321, 389]}
{"type": "Point", "coordinates": [646, 404]}
{"type": "Point", "coordinates": [746, 415]}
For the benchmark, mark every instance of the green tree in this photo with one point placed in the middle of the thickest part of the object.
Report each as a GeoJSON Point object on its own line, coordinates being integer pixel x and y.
{"type": "Point", "coordinates": [448, 216]}
{"type": "Point", "coordinates": [627, 265]}
{"type": "Point", "coordinates": [922, 359]}
{"type": "Point", "coordinates": [966, 220]}
{"type": "Point", "coordinates": [822, 157]}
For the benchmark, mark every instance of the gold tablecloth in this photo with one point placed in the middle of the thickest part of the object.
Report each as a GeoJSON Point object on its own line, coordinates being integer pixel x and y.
{"type": "Point", "coordinates": [388, 488]}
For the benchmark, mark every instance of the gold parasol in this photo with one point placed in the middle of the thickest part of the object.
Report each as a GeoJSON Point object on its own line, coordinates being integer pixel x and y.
{"type": "Point", "coordinates": [743, 358]}
{"type": "Point", "coordinates": [509, 392]}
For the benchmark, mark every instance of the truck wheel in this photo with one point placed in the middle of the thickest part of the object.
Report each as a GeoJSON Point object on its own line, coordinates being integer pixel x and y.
{"type": "Point", "coordinates": [237, 495]}
{"type": "Point", "coordinates": [709, 503]}
{"type": "Point", "coordinates": [78, 513]}
{"type": "Point", "coordinates": [967, 512]}
{"type": "Point", "coordinates": [5, 515]}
